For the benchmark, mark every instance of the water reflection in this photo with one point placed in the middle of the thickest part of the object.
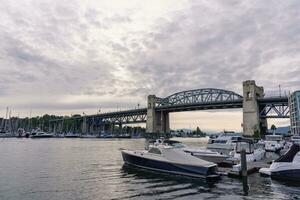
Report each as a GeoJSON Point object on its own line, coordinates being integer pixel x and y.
{"type": "Point", "coordinates": [160, 183]}
{"type": "Point", "coordinates": [56, 169]}
{"type": "Point", "coordinates": [245, 185]}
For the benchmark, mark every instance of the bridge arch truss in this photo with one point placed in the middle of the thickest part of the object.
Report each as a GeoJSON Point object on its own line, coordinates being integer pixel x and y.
{"type": "Point", "coordinates": [200, 96]}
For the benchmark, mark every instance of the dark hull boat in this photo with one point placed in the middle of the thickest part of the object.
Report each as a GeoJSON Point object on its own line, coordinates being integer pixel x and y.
{"type": "Point", "coordinates": [286, 167]}
{"type": "Point", "coordinates": [42, 136]}
{"type": "Point", "coordinates": [173, 161]}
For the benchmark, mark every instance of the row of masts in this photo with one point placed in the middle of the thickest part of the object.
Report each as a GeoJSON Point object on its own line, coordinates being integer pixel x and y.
{"type": "Point", "coordinates": [8, 124]}
{"type": "Point", "coordinates": [12, 124]}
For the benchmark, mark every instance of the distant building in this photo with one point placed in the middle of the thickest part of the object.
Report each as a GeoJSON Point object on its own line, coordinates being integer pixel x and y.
{"type": "Point", "coordinates": [294, 103]}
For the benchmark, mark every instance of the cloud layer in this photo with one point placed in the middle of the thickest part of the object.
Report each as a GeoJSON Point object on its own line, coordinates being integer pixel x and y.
{"type": "Point", "coordinates": [57, 55]}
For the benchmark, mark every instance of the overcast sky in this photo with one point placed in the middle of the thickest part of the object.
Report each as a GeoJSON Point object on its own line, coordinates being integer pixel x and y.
{"type": "Point", "coordinates": [70, 56]}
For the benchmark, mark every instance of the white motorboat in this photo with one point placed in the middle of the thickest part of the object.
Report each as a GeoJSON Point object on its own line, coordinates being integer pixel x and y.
{"type": "Point", "coordinates": [72, 135]}
{"type": "Point", "coordinates": [223, 144]}
{"type": "Point", "coordinates": [106, 135]}
{"type": "Point", "coordinates": [4, 134]}
{"type": "Point", "coordinates": [41, 134]}
{"type": "Point", "coordinates": [252, 154]}
{"type": "Point", "coordinates": [286, 167]}
{"type": "Point", "coordinates": [21, 132]}
{"type": "Point", "coordinates": [169, 159]}
{"type": "Point", "coordinates": [89, 136]}
{"type": "Point", "coordinates": [205, 154]}
{"type": "Point", "coordinates": [274, 143]}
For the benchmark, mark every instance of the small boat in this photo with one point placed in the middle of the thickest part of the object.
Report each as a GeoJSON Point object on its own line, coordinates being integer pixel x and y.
{"type": "Point", "coordinates": [123, 136]}
{"type": "Point", "coordinates": [252, 154]}
{"type": "Point", "coordinates": [89, 136]}
{"type": "Point", "coordinates": [71, 135]}
{"type": "Point", "coordinates": [274, 143]}
{"type": "Point", "coordinates": [4, 134]}
{"type": "Point", "coordinates": [223, 144]}
{"type": "Point", "coordinates": [106, 135]}
{"type": "Point", "coordinates": [168, 159]}
{"type": "Point", "coordinates": [206, 154]}
{"type": "Point", "coordinates": [58, 134]}
{"type": "Point", "coordinates": [286, 167]}
{"type": "Point", "coordinates": [41, 134]}
{"type": "Point", "coordinates": [21, 132]}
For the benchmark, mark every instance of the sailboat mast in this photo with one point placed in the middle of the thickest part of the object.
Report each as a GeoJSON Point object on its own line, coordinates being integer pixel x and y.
{"type": "Point", "coordinates": [5, 123]}
{"type": "Point", "coordinates": [10, 121]}
{"type": "Point", "coordinates": [29, 126]}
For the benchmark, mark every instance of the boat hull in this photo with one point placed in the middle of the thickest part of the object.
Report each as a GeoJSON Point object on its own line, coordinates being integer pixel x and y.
{"type": "Point", "coordinates": [41, 136]}
{"type": "Point", "coordinates": [71, 136]}
{"type": "Point", "coordinates": [168, 167]}
{"type": "Point", "coordinates": [291, 175]}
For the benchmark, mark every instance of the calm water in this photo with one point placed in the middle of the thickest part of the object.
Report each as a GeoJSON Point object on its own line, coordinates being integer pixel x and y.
{"type": "Point", "coordinates": [89, 169]}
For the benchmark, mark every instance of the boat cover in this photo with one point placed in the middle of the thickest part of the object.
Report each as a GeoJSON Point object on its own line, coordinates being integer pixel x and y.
{"type": "Point", "coordinates": [290, 154]}
{"type": "Point", "coordinates": [180, 157]}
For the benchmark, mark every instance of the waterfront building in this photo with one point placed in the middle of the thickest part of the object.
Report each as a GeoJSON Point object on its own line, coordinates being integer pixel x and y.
{"type": "Point", "coordinates": [294, 104]}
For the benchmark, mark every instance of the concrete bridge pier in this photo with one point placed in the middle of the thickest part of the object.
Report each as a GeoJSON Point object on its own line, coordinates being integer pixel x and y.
{"type": "Point", "coordinates": [157, 121]}
{"type": "Point", "coordinates": [252, 123]}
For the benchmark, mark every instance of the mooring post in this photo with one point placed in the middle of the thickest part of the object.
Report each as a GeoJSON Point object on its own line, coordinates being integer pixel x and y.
{"type": "Point", "coordinates": [244, 171]}
{"type": "Point", "coordinates": [244, 163]}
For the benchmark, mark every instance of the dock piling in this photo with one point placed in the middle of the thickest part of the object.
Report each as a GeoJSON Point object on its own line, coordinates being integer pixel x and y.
{"type": "Point", "coordinates": [244, 171]}
{"type": "Point", "coordinates": [244, 163]}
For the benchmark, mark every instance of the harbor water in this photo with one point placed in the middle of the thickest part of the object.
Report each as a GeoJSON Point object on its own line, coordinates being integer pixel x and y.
{"type": "Point", "coordinates": [91, 169]}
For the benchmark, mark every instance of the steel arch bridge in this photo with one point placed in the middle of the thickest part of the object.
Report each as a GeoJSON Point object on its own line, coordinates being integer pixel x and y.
{"type": "Point", "coordinates": [206, 95]}
{"type": "Point", "coordinates": [199, 99]}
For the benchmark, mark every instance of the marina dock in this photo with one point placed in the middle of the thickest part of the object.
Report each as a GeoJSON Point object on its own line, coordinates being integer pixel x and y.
{"type": "Point", "coordinates": [252, 167]}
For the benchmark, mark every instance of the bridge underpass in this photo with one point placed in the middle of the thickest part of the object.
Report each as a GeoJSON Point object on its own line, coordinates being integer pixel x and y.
{"type": "Point", "coordinates": [256, 109]}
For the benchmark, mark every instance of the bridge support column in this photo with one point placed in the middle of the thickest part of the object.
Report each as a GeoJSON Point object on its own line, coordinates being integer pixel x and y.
{"type": "Point", "coordinates": [157, 121]}
{"type": "Point", "coordinates": [252, 123]}
{"type": "Point", "coordinates": [165, 122]}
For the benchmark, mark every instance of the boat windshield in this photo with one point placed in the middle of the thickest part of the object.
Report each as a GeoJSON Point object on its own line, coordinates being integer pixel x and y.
{"type": "Point", "coordinates": [219, 141]}
{"type": "Point", "coordinates": [175, 144]}
{"type": "Point", "coordinates": [154, 150]}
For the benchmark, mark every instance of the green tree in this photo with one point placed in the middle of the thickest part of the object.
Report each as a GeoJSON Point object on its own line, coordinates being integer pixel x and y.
{"type": "Point", "coordinates": [198, 131]}
{"type": "Point", "coordinates": [273, 128]}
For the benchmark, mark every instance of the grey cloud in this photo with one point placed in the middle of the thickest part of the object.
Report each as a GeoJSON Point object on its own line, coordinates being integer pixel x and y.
{"type": "Point", "coordinates": [51, 49]}
{"type": "Point", "coordinates": [223, 49]}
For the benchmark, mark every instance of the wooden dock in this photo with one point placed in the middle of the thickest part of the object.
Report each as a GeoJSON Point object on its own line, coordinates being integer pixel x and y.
{"type": "Point", "coordinates": [252, 167]}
